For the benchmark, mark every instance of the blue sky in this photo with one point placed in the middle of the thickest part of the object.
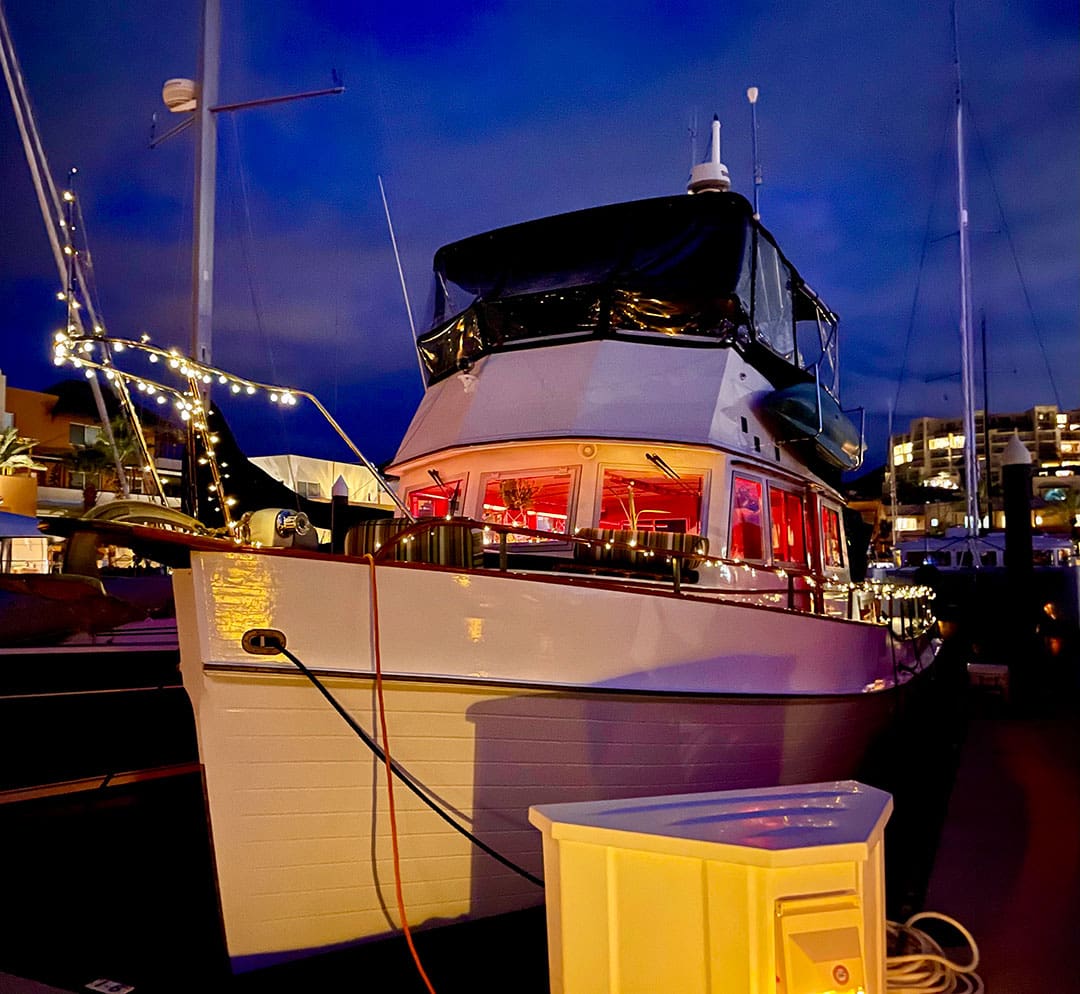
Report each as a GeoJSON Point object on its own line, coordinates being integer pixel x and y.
{"type": "Point", "coordinates": [479, 115]}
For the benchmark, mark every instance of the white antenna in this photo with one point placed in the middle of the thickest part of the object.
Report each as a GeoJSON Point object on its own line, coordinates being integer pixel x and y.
{"type": "Point", "coordinates": [711, 175]}
{"type": "Point", "coordinates": [401, 276]}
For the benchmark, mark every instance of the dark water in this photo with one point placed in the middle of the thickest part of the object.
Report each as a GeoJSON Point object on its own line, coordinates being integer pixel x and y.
{"type": "Point", "coordinates": [117, 885]}
{"type": "Point", "coordinates": [116, 881]}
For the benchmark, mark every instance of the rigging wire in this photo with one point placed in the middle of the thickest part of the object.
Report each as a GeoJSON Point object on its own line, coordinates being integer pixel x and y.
{"type": "Point", "coordinates": [1016, 262]}
{"type": "Point", "coordinates": [247, 241]}
{"type": "Point", "coordinates": [69, 261]}
{"type": "Point", "coordinates": [938, 170]}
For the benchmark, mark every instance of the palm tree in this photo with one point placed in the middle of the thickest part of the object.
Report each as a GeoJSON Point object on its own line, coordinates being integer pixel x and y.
{"type": "Point", "coordinates": [14, 452]}
{"type": "Point", "coordinates": [91, 461]}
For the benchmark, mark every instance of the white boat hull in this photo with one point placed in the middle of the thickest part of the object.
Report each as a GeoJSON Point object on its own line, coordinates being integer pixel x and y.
{"type": "Point", "coordinates": [297, 804]}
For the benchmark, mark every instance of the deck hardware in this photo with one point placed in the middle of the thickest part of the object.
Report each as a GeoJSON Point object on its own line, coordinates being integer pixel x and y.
{"type": "Point", "coordinates": [263, 641]}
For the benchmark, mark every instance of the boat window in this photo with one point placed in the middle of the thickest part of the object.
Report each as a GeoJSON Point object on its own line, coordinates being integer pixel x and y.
{"type": "Point", "coordinates": [816, 339]}
{"type": "Point", "coordinates": [435, 500]}
{"type": "Point", "coordinates": [746, 520]}
{"type": "Point", "coordinates": [541, 315]}
{"type": "Point", "coordinates": [832, 548]}
{"type": "Point", "coordinates": [786, 519]}
{"type": "Point", "coordinates": [699, 315]}
{"type": "Point", "coordinates": [539, 500]}
{"type": "Point", "coordinates": [647, 500]}
{"type": "Point", "coordinates": [455, 345]}
{"type": "Point", "coordinates": [773, 317]}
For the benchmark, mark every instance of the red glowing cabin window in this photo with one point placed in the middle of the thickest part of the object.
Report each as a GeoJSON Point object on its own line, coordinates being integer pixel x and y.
{"type": "Point", "coordinates": [436, 501]}
{"type": "Point", "coordinates": [746, 521]}
{"type": "Point", "coordinates": [832, 549]}
{"type": "Point", "coordinates": [640, 500]}
{"type": "Point", "coordinates": [786, 518]}
{"type": "Point", "coordinates": [540, 502]}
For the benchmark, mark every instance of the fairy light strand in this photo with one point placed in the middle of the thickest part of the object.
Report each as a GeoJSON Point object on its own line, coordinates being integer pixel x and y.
{"type": "Point", "coordinates": [77, 349]}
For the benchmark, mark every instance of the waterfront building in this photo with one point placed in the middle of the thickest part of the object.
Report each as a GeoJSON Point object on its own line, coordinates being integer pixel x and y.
{"type": "Point", "coordinates": [71, 463]}
{"type": "Point", "coordinates": [928, 461]}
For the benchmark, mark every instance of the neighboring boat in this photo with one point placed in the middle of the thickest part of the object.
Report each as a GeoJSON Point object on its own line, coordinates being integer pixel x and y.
{"type": "Point", "coordinates": [609, 577]}
{"type": "Point", "coordinates": [39, 607]}
{"type": "Point", "coordinates": [956, 550]}
{"type": "Point", "coordinates": [968, 566]}
{"type": "Point", "coordinates": [970, 576]}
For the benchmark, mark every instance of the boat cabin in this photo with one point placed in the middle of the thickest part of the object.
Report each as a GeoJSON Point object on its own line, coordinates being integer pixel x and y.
{"type": "Point", "coordinates": [625, 375]}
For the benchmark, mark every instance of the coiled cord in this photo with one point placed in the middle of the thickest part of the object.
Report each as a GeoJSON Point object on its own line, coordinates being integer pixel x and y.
{"type": "Point", "coordinates": [928, 969]}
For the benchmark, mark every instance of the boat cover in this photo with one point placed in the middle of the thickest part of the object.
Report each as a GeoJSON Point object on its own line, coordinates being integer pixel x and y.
{"type": "Point", "coordinates": [681, 268]}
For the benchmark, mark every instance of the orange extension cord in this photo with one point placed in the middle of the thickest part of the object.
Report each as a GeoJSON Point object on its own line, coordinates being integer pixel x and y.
{"type": "Point", "coordinates": [390, 777]}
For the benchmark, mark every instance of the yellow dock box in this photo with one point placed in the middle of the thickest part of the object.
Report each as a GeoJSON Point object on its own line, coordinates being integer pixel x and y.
{"type": "Point", "coordinates": [772, 891]}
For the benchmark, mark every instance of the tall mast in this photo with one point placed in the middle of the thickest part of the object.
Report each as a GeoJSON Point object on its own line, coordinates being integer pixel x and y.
{"type": "Point", "coordinates": [205, 179]}
{"type": "Point", "coordinates": [967, 347]}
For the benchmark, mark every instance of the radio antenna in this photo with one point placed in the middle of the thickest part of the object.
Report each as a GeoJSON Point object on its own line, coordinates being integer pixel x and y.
{"type": "Point", "coordinates": [401, 276]}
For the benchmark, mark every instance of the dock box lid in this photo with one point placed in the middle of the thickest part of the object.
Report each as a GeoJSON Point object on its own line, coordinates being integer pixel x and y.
{"type": "Point", "coordinates": [772, 826]}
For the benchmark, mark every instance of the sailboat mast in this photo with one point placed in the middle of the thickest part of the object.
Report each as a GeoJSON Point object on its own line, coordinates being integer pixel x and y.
{"type": "Point", "coordinates": [967, 347]}
{"type": "Point", "coordinates": [205, 180]}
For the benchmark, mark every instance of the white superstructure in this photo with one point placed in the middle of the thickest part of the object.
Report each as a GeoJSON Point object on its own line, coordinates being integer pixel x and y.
{"type": "Point", "coordinates": [620, 571]}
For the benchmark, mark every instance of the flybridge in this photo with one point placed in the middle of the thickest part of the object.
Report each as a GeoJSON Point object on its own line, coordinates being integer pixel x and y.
{"type": "Point", "coordinates": [687, 270]}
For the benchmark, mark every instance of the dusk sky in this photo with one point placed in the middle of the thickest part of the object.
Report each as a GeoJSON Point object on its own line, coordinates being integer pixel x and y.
{"type": "Point", "coordinates": [485, 114]}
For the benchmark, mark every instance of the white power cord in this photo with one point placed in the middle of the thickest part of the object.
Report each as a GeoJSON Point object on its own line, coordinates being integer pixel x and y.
{"type": "Point", "coordinates": [928, 969]}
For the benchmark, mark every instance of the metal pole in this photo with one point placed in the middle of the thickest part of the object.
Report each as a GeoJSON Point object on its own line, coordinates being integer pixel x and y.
{"type": "Point", "coordinates": [986, 427]}
{"type": "Point", "coordinates": [205, 180]}
{"type": "Point", "coordinates": [752, 96]}
{"type": "Point", "coordinates": [967, 361]}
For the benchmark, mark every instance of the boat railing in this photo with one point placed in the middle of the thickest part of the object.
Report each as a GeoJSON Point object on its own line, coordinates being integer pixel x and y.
{"type": "Point", "coordinates": [628, 557]}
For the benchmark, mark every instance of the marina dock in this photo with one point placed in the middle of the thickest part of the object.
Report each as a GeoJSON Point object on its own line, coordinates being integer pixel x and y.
{"type": "Point", "coordinates": [120, 891]}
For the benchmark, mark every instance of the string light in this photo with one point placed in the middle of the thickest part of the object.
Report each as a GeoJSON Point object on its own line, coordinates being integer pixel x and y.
{"type": "Point", "coordinates": [78, 349]}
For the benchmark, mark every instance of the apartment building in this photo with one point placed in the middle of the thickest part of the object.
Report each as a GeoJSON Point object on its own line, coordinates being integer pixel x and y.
{"type": "Point", "coordinates": [929, 458]}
